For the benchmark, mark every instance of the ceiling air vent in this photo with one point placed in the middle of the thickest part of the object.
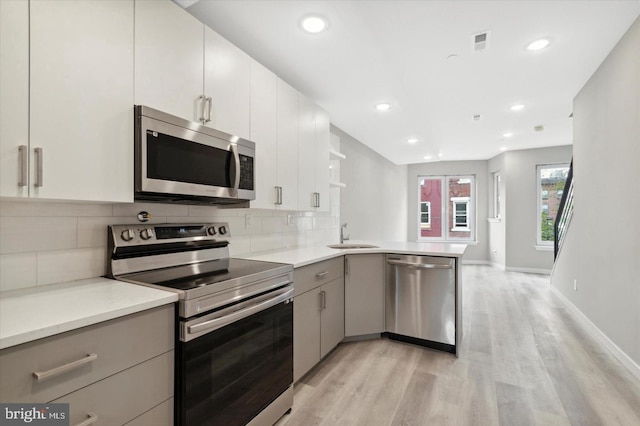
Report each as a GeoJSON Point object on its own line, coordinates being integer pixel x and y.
{"type": "Point", "coordinates": [480, 41]}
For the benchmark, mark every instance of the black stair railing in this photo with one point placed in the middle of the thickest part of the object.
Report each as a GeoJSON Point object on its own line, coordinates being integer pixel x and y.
{"type": "Point", "coordinates": [565, 211]}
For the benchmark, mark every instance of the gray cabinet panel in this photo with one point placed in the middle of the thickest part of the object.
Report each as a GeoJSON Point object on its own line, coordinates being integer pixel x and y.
{"type": "Point", "coordinates": [306, 333]}
{"type": "Point", "coordinates": [120, 398]}
{"type": "Point", "coordinates": [311, 276]}
{"type": "Point", "coordinates": [332, 316]}
{"type": "Point", "coordinates": [160, 415]}
{"type": "Point", "coordinates": [364, 294]}
{"type": "Point", "coordinates": [118, 344]}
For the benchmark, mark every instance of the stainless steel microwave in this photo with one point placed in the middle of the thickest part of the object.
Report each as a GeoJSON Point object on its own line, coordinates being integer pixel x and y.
{"type": "Point", "coordinates": [177, 160]}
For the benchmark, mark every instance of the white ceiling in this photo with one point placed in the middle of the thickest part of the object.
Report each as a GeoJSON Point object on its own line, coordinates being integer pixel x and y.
{"type": "Point", "coordinates": [396, 52]}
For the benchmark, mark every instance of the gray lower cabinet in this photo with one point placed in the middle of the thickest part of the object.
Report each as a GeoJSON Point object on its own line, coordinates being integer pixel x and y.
{"type": "Point", "coordinates": [110, 373]}
{"type": "Point", "coordinates": [364, 294]}
{"type": "Point", "coordinates": [318, 313]}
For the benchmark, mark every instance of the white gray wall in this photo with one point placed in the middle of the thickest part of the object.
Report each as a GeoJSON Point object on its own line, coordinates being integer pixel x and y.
{"type": "Point", "coordinates": [374, 202]}
{"type": "Point", "coordinates": [602, 248]}
{"type": "Point", "coordinates": [477, 252]}
{"type": "Point", "coordinates": [520, 207]}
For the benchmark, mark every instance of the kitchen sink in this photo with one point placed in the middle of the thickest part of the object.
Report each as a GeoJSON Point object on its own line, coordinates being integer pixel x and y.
{"type": "Point", "coordinates": [351, 246]}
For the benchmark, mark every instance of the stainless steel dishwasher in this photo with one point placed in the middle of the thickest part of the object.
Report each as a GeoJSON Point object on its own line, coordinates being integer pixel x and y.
{"type": "Point", "coordinates": [421, 301]}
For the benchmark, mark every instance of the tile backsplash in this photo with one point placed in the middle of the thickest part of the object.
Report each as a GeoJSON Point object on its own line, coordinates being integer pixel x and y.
{"type": "Point", "coordinates": [50, 242]}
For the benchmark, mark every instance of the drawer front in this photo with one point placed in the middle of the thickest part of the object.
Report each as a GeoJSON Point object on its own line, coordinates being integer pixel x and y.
{"type": "Point", "coordinates": [122, 397]}
{"type": "Point", "coordinates": [160, 415]}
{"type": "Point", "coordinates": [311, 276]}
{"type": "Point", "coordinates": [71, 360]}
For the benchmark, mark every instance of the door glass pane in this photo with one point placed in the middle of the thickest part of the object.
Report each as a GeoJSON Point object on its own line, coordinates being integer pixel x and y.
{"type": "Point", "coordinates": [431, 193]}
{"type": "Point", "coordinates": [552, 180]}
{"type": "Point", "coordinates": [459, 192]}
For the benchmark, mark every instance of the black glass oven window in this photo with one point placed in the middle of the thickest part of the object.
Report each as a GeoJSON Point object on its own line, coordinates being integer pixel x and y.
{"type": "Point", "coordinates": [174, 159]}
{"type": "Point", "coordinates": [228, 376]}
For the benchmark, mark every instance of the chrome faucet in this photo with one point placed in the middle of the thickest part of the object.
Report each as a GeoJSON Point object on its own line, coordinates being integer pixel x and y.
{"type": "Point", "coordinates": [342, 236]}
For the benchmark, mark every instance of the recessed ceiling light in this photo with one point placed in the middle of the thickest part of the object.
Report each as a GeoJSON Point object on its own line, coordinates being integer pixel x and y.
{"type": "Point", "coordinates": [440, 155]}
{"type": "Point", "coordinates": [517, 107]}
{"type": "Point", "coordinates": [503, 148]}
{"type": "Point", "coordinates": [383, 107]}
{"type": "Point", "coordinates": [412, 140]}
{"type": "Point", "coordinates": [428, 157]}
{"type": "Point", "coordinates": [314, 24]}
{"type": "Point", "coordinates": [507, 135]}
{"type": "Point", "coordinates": [538, 44]}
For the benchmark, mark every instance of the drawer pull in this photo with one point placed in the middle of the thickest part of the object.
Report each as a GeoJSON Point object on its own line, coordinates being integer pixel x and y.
{"type": "Point", "coordinates": [45, 375]}
{"type": "Point", "coordinates": [321, 274]}
{"type": "Point", "coordinates": [91, 418]}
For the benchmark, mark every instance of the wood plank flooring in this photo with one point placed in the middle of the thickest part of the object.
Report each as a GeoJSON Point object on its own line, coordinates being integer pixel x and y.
{"type": "Point", "coordinates": [523, 361]}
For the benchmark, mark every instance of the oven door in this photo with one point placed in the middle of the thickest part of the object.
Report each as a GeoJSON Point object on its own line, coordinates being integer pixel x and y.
{"type": "Point", "coordinates": [240, 360]}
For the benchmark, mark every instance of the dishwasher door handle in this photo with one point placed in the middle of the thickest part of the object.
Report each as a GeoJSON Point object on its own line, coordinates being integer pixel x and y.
{"type": "Point", "coordinates": [419, 265]}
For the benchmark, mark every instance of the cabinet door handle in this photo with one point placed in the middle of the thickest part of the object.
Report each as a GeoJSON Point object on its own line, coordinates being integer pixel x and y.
{"type": "Point", "coordinates": [346, 265]}
{"type": "Point", "coordinates": [91, 418]}
{"type": "Point", "coordinates": [210, 103]}
{"type": "Point", "coordinates": [45, 375]}
{"type": "Point", "coordinates": [317, 199]}
{"type": "Point", "coordinates": [203, 102]}
{"type": "Point", "coordinates": [39, 160]}
{"type": "Point", "coordinates": [322, 300]}
{"type": "Point", "coordinates": [321, 274]}
{"type": "Point", "coordinates": [278, 195]}
{"type": "Point", "coordinates": [23, 158]}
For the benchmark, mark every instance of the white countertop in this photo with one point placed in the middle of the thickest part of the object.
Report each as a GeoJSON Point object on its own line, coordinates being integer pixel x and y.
{"type": "Point", "coordinates": [306, 255]}
{"type": "Point", "coordinates": [38, 312]}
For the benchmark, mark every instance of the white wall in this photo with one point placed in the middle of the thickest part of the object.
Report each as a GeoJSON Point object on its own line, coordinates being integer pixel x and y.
{"type": "Point", "coordinates": [521, 218]}
{"type": "Point", "coordinates": [477, 252]}
{"type": "Point", "coordinates": [50, 242]}
{"type": "Point", "coordinates": [374, 202]}
{"type": "Point", "coordinates": [602, 249]}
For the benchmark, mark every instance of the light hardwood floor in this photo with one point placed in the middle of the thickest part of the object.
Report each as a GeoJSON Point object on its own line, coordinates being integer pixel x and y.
{"type": "Point", "coordinates": [523, 361]}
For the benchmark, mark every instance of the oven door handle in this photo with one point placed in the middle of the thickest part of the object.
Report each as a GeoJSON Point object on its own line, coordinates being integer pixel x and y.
{"type": "Point", "coordinates": [241, 313]}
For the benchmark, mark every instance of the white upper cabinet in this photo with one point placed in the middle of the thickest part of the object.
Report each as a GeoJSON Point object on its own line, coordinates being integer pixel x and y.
{"type": "Point", "coordinates": [264, 132]}
{"type": "Point", "coordinates": [14, 98]}
{"type": "Point", "coordinates": [169, 59]}
{"type": "Point", "coordinates": [81, 100]}
{"type": "Point", "coordinates": [186, 69]}
{"type": "Point", "coordinates": [227, 85]}
{"type": "Point", "coordinates": [313, 157]}
{"type": "Point", "coordinates": [287, 149]}
{"type": "Point", "coordinates": [322, 142]}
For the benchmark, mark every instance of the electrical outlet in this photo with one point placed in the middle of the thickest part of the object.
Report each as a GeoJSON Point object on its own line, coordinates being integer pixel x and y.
{"type": "Point", "coordinates": [248, 221]}
{"type": "Point", "coordinates": [575, 285]}
{"type": "Point", "coordinates": [289, 220]}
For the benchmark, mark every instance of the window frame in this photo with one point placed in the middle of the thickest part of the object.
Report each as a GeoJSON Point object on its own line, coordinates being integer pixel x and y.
{"type": "Point", "coordinates": [428, 213]}
{"type": "Point", "coordinates": [544, 201]}
{"type": "Point", "coordinates": [446, 230]}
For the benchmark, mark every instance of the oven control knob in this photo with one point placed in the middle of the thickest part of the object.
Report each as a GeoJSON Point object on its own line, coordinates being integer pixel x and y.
{"type": "Point", "coordinates": [146, 233]}
{"type": "Point", "coordinates": [222, 230]}
{"type": "Point", "coordinates": [127, 235]}
{"type": "Point", "coordinates": [211, 230]}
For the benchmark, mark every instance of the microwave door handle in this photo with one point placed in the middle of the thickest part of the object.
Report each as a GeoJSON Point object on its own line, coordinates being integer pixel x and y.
{"type": "Point", "coordinates": [236, 182]}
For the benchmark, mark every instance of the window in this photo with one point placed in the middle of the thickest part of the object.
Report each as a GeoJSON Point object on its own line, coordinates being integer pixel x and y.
{"type": "Point", "coordinates": [551, 180]}
{"type": "Point", "coordinates": [446, 208]}
{"type": "Point", "coordinates": [425, 215]}
{"type": "Point", "coordinates": [460, 213]}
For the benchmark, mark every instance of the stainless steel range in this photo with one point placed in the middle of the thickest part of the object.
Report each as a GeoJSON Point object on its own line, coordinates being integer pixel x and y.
{"type": "Point", "coordinates": [234, 351]}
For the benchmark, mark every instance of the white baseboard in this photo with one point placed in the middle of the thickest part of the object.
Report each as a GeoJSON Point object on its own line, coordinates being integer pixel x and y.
{"type": "Point", "coordinates": [598, 335]}
{"type": "Point", "coordinates": [529, 270]}
{"type": "Point", "coordinates": [498, 266]}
